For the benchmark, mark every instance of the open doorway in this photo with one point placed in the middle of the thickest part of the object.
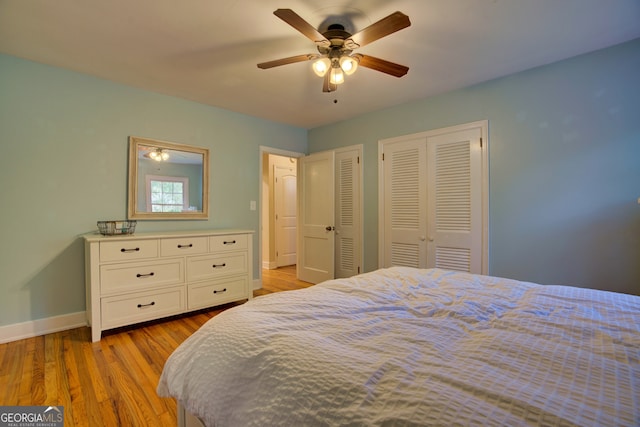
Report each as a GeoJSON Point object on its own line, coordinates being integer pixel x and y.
{"type": "Point", "coordinates": [278, 201]}
{"type": "Point", "coordinates": [348, 215]}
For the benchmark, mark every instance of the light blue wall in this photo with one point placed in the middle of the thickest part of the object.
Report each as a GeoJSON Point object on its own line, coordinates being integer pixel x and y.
{"type": "Point", "coordinates": [63, 166]}
{"type": "Point", "coordinates": [564, 170]}
{"type": "Point", "coordinates": [564, 166]}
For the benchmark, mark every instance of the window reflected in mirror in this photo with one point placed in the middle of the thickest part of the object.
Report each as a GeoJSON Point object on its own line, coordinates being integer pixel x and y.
{"type": "Point", "coordinates": [167, 180]}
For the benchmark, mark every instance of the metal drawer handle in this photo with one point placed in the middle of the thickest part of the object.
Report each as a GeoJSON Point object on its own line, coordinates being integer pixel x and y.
{"type": "Point", "coordinates": [190, 245]}
{"type": "Point", "coordinates": [231, 242]}
{"type": "Point", "coordinates": [129, 250]}
{"type": "Point", "coordinates": [145, 275]}
{"type": "Point", "coordinates": [224, 264]}
{"type": "Point", "coordinates": [219, 292]}
{"type": "Point", "coordinates": [147, 305]}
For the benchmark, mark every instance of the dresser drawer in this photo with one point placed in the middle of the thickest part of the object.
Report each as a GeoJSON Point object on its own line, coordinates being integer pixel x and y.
{"type": "Point", "coordinates": [183, 246]}
{"type": "Point", "coordinates": [128, 250]}
{"type": "Point", "coordinates": [212, 266]}
{"type": "Point", "coordinates": [132, 308]}
{"type": "Point", "coordinates": [230, 242]}
{"type": "Point", "coordinates": [221, 291]}
{"type": "Point", "coordinates": [131, 277]}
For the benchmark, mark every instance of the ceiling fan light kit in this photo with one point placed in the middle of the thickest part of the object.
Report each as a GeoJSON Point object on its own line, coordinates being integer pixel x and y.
{"type": "Point", "coordinates": [336, 46]}
{"type": "Point", "coordinates": [158, 155]}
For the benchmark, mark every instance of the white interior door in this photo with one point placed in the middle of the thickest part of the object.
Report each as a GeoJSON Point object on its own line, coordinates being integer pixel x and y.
{"type": "Point", "coordinates": [285, 189]}
{"type": "Point", "coordinates": [404, 209]}
{"type": "Point", "coordinates": [348, 249]}
{"type": "Point", "coordinates": [316, 217]}
{"type": "Point", "coordinates": [454, 200]}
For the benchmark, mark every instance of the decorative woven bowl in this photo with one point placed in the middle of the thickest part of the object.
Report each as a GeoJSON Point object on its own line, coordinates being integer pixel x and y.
{"type": "Point", "coordinates": [112, 228]}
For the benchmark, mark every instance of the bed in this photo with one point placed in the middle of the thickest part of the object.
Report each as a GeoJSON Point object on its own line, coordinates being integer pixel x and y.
{"type": "Point", "coordinates": [411, 347]}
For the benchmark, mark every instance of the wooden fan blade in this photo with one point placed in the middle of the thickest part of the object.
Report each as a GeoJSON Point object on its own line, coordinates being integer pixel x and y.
{"type": "Point", "coordinates": [327, 85]}
{"type": "Point", "coordinates": [285, 61]}
{"type": "Point", "coordinates": [293, 19]}
{"type": "Point", "coordinates": [382, 65]}
{"type": "Point", "coordinates": [389, 25]}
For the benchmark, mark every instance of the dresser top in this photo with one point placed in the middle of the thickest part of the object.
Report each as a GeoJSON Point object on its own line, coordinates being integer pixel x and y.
{"type": "Point", "coordinates": [96, 236]}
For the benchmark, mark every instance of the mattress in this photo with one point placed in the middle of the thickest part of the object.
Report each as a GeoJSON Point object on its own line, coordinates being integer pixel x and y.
{"type": "Point", "coordinates": [409, 347]}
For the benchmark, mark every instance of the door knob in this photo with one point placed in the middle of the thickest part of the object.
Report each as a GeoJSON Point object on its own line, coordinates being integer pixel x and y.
{"type": "Point", "coordinates": [329, 228]}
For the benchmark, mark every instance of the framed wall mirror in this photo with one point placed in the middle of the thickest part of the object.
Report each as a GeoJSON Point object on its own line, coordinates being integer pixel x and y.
{"type": "Point", "coordinates": [167, 180]}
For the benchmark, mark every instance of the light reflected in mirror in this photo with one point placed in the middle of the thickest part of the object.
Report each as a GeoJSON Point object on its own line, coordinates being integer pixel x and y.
{"type": "Point", "coordinates": [167, 180]}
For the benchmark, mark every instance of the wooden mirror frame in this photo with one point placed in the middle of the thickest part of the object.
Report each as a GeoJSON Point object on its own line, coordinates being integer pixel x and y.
{"type": "Point", "coordinates": [137, 145]}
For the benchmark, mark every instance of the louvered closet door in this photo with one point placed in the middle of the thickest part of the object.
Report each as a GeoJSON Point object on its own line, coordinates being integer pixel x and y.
{"type": "Point", "coordinates": [454, 201]}
{"type": "Point", "coordinates": [405, 197]}
{"type": "Point", "coordinates": [347, 193]}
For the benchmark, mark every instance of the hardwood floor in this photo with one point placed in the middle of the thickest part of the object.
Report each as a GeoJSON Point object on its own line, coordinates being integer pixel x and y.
{"type": "Point", "coordinates": [280, 279]}
{"type": "Point", "coordinates": [111, 382]}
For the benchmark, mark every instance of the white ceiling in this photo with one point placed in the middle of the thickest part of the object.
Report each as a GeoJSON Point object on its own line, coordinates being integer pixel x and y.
{"type": "Point", "coordinates": [207, 51]}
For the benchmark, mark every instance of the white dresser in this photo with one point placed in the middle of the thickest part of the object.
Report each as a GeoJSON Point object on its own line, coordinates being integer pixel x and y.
{"type": "Point", "coordinates": [145, 276]}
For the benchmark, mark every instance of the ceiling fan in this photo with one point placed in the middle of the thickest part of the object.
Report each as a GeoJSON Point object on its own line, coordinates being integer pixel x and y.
{"type": "Point", "coordinates": [336, 46]}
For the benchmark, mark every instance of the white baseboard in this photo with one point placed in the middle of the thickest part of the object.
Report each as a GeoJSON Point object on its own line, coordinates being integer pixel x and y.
{"type": "Point", "coordinates": [269, 265]}
{"type": "Point", "coordinates": [257, 284]}
{"type": "Point", "coordinates": [34, 328]}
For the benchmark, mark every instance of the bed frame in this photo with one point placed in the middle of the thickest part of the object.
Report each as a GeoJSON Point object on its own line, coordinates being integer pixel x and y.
{"type": "Point", "coordinates": [186, 419]}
